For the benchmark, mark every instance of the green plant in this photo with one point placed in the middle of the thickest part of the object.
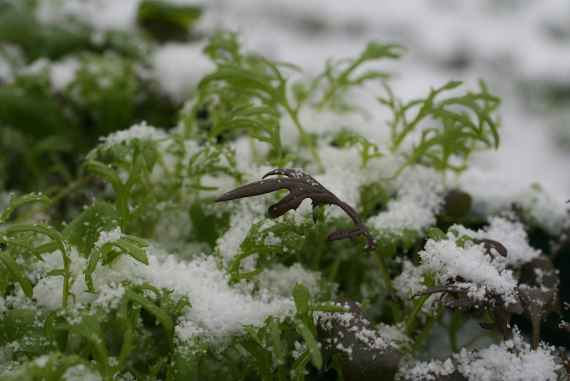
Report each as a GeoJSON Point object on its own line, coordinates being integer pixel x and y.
{"type": "Point", "coordinates": [127, 267]}
{"type": "Point", "coordinates": [464, 123]}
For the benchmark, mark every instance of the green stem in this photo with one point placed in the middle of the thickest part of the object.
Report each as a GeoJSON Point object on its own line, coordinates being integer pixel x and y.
{"type": "Point", "coordinates": [423, 335]}
{"type": "Point", "coordinates": [305, 138]}
{"type": "Point", "coordinates": [69, 189]}
{"type": "Point", "coordinates": [384, 271]}
{"type": "Point", "coordinates": [341, 79]}
{"type": "Point", "coordinates": [452, 330]}
{"type": "Point", "coordinates": [411, 320]}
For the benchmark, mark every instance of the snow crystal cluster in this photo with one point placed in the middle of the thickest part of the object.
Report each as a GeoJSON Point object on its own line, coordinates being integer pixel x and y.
{"type": "Point", "coordinates": [351, 332]}
{"type": "Point", "coordinates": [468, 265]}
{"type": "Point", "coordinates": [509, 233]}
{"type": "Point", "coordinates": [419, 197]}
{"type": "Point", "coordinates": [218, 309]}
{"type": "Point", "coordinates": [478, 271]}
{"type": "Point", "coordinates": [280, 279]}
{"type": "Point", "coordinates": [141, 131]}
{"type": "Point", "coordinates": [512, 360]}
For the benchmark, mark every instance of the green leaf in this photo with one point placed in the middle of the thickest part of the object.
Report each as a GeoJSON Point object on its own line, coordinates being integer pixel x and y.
{"type": "Point", "coordinates": [300, 364]}
{"type": "Point", "coordinates": [18, 201]}
{"type": "Point", "coordinates": [56, 272]}
{"type": "Point", "coordinates": [302, 298]}
{"type": "Point", "coordinates": [276, 344]}
{"type": "Point", "coordinates": [85, 229]}
{"type": "Point", "coordinates": [17, 273]}
{"type": "Point", "coordinates": [35, 112]}
{"type": "Point", "coordinates": [131, 249]}
{"type": "Point", "coordinates": [311, 341]}
{"type": "Point", "coordinates": [458, 126]}
{"type": "Point", "coordinates": [106, 173]}
{"type": "Point", "coordinates": [167, 21]}
{"type": "Point", "coordinates": [160, 315]}
{"type": "Point", "coordinates": [341, 76]}
{"type": "Point", "coordinates": [90, 329]}
{"type": "Point", "coordinates": [43, 229]}
{"type": "Point", "coordinates": [436, 234]}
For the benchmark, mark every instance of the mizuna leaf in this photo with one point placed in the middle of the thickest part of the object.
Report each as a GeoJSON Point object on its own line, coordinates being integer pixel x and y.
{"type": "Point", "coordinates": [17, 273]}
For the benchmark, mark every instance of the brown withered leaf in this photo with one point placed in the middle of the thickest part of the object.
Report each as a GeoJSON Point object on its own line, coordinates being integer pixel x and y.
{"type": "Point", "coordinates": [491, 246]}
{"type": "Point", "coordinates": [300, 186]}
{"type": "Point", "coordinates": [456, 204]}
{"type": "Point", "coordinates": [342, 336]}
{"type": "Point", "coordinates": [538, 292]}
{"type": "Point", "coordinates": [455, 296]}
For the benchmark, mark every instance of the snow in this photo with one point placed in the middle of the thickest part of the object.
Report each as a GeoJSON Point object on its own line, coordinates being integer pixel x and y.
{"type": "Point", "coordinates": [80, 373]}
{"type": "Point", "coordinates": [62, 73]}
{"type": "Point", "coordinates": [106, 279]}
{"type": "Point", "coordinates": [178, 68]}
{"type": "Point", "coordinates": [248, 212]}
{"type": "Point", "coordinates": [428, 371]}
{"type": "Point", "coordinates": [141, 131]}
{"type": "Point", "coordinates": [513, 236]}
{"type": "Point", "coordinates": [217, 309]}
{"type": "Point", "coordinates": [419, 197]}
{"type": "Point", "coordinates": [41, 361]}
{"type": "Point", "coordinates": [543, 210]}
{"type": "Point", "coordinates": [281, 280]}
{"type": "Point", "coordinates": [103, 15]}
{"type": "Point", "coordinates": [109, 296]}
{"type": "Point", "coordinates": [108, 236]}
{"type": "Point", "coordinates": [510, 234]}
{"type": "Point", "coordinates": [410, 283]}
{"type": "Point", "coordinates": [506, 43]}
{"type": "Point", "coordinates": [448, 261]}
{"type": "Point", "coordinates": [49, 289]}
{"type": "Point", "coordinates": [377, 338]}
{"type": "Point", "coordinates": [245, 213]}
{"type": "Point", "coordinates": [512, 360]}
{"type": "Point", "coordinates": [343, 175]}
{"type": "Point", "coordinates": [468, 266]}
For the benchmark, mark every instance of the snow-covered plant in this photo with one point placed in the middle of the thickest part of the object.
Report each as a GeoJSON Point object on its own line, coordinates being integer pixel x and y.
{"type": "Point", "coordinates": [127, 268]}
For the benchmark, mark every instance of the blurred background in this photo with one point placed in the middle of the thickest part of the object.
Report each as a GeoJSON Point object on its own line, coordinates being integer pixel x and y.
{"type": "Point", "coordinates": [520, 47]}
{"type": "Point", "coordinates": [74, 70]}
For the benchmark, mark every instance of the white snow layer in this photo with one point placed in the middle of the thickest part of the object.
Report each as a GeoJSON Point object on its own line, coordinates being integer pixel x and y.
{"type": "Point", "coordinates": [512, 360]}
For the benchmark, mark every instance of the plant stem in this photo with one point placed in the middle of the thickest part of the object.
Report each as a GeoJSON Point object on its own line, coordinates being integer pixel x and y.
{"type": "Point", "coordinates": [452, 330]}
{"type": "Point", "coordinates": [69, 189]}
{"type": "Point", "coordinates": [384, 271]}
{"type": "Point", "coordinates": [411, 320]}
{"type": "Point", "coordinates": [305, 138]}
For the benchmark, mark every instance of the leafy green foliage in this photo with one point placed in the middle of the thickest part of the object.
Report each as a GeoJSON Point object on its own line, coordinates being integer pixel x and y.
{"type": "Point", "coordinates": [18, 26]}
{"type": "Point", "coordinates": [265, 241]}
{"type": "Point", "coordinates": [249, 92]}
{"type": "Point", "coordinates": [44, 125]}
{"type": "Point", "coordinates": [464, 123]}
{"type": "Point", "coordinates": [166, 21]}
{"type": "Point", "coordinates": [343, 75]}
{"type": "Point", "coordinates": [72, 297]}
{"type": "Point", "coordinates": [368, 150]}
{"type": "Point", "coordinates": [105, 92]}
